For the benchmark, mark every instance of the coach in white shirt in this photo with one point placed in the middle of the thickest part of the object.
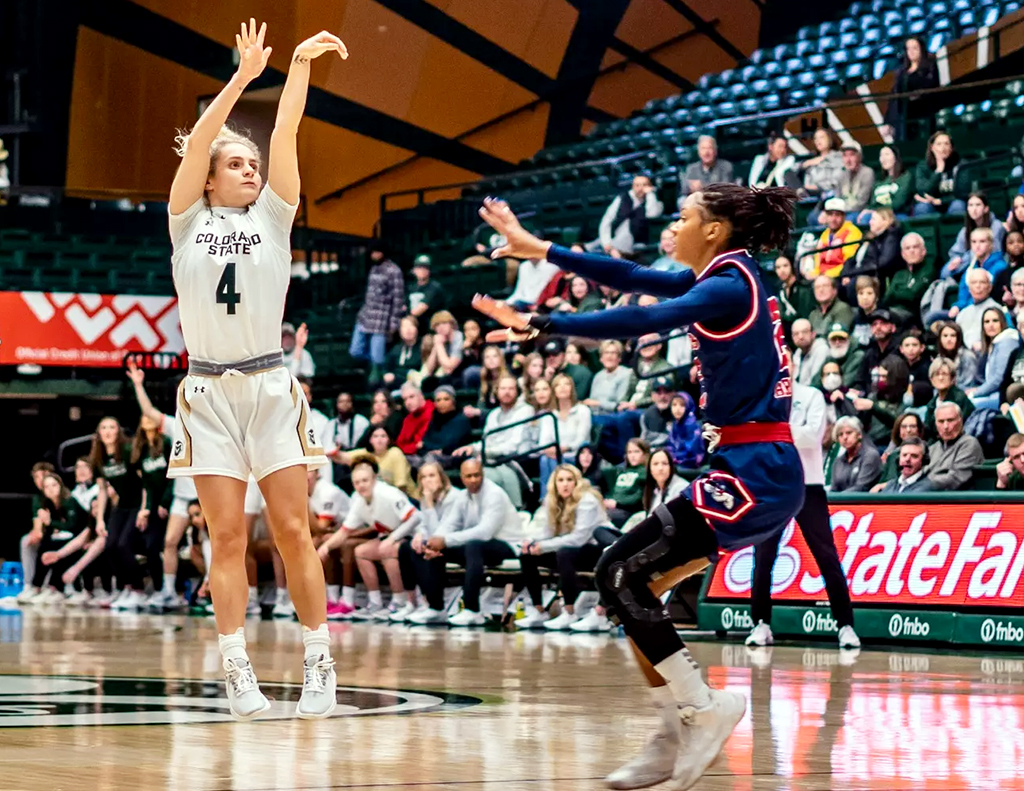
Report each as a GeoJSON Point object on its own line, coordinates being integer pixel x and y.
{"type": "Point", "coordinates": [480, 528]}
{"type": "Point", "coordinates": [807, 423]}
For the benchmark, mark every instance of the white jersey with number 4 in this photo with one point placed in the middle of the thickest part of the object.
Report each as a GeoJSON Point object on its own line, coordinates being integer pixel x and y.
{"type": "Point", "coordinates": [231, 270]}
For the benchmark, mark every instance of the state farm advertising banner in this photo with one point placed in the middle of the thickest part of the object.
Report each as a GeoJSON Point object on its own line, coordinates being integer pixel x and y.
{"type": "Point", "coordinates": [85, 329]}
{"type": "Point", "coordinates": [945, 555]}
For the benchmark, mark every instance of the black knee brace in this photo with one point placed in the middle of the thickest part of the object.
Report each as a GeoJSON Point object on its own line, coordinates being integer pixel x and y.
{"type": "Point", "coordinates": [621, 573]}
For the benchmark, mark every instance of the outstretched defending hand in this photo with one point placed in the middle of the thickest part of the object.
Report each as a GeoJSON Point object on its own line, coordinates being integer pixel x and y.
{"type": "Point", "coordinates": [317, 45]}
{"type": "Point", "coordinates": [518, 323]}
{"type": "Point", "coordinates": [519, 243]}
{"type": "Point", "coordinates": [252, 57]}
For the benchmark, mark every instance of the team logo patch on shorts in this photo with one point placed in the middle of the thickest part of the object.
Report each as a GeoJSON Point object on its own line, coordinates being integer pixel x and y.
{"type": "Point", "coordinates": [719, 495]}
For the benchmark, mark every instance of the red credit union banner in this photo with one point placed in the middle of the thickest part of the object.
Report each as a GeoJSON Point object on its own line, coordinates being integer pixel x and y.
{"type": "Point", "coordinates": [85, 329]}
{"type": "Point", "coordinates": [949, 555]}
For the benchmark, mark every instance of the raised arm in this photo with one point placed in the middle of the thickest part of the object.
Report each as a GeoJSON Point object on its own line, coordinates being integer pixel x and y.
{"type": "Point", "coordinates": [619, 274]}
{"type": "Point", "coordinates": [190, 180]}
{"type": "Point", "coordinates": [724, 298]}
{"type": "Point", "coordinates": [283, 176]}
{"type": "Point", "coordinates": [138, 377]}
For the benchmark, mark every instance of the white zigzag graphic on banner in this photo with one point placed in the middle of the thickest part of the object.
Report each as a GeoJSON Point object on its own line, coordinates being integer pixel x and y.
{"type": "Point", "coordinates": [145, 320]}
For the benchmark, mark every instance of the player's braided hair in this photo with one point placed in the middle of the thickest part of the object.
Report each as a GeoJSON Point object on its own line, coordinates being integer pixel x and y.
{"type": "Point", "coordinates": [761, 219]}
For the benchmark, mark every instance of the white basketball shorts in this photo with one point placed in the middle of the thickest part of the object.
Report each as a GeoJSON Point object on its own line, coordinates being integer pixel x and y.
{"type": "Point", "coordinates": [254, 501]}
{"type": "Point", "coordinates": [236, 424]}
{"type": "Point", "coordinates": [179, 507]}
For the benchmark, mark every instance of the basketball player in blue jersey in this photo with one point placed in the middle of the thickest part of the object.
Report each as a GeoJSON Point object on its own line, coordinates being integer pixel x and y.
{"type": "Point", "coordinates": [755, 486]}
{"type": "Point", "coordinates": [239, 410]}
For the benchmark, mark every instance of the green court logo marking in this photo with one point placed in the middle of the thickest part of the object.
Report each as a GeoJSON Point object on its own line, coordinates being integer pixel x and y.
{"type": "Point", "coordinates": [63, 701]}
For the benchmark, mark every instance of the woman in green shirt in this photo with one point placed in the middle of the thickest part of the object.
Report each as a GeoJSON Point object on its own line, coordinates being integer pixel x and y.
{"type": "Point", "coordinates": [110, 458]}
{"type": "Point", "coordinates": [625, 483]}
{"type": "Point", "coordinates": [56, 522]}
{"type": "Point", "coordinates": [895, 190]}
{"type": "Point", "coordinates": [940, 187]}
{"type": "Point", "coordinates": [150, 454]}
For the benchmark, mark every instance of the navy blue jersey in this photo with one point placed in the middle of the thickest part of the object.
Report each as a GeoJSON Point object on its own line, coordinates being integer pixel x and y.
{"type": "Point", "coordinates": [735, 329]}
{"type": "Point", "coordinates": [754, 489]}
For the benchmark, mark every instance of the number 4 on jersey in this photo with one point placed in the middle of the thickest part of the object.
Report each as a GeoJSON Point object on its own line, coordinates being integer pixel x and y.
{"type": "Point", "coordinates": [226, 294]}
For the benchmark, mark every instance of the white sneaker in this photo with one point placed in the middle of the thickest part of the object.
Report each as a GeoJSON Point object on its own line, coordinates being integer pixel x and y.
{"type": "Point", "coordinates": [319, 688]}
{"type": "Point", "coordinates": [28, 595]}
{"type": "Point", "coordinates": [132, 601]}
{"type": "Point", "coordinates": [101, 599]}
{"type": "Point", "coordinates": [562, 622]}
{"type": "Point", "coordinates": [655, 764]}
{"type": "Point", "coordinates": [244, 694]}
{"type": "Point", "coordinates": [49, 596]}
{"type": "Point", "coordinates": [704, 733]}
{"type": "Point", "coordinates": [401, 615]}
{"type": "Point", "coordinates": [78, 599]}
{"type": "Point", "coordinates": [428, 616]}
{"type": "Point", "coordinates": [467, 618]}
{"type": "Point", "coordinates": [254, 607]}
{"type": "Point", "coordinates": [848, 638]}
{"type": "Point", "coordinates": [369, 612]}
{"type": "Point", "coordinates": [283, 609]}
{"type": "Point", "coordinates": [385, 613]}
{"type": "Point", "coordinates": [760, 635]}
{"type": "Point", "coordinates": [155, 603]}
{"type": "Point", "coordinates": [119, 597]}
{"type": "Point", "coordinates": [175, 602]}
{"type": "Point", "coordinates": [533, 619]}
{"type": "Point", "coordinates": [593, 621]}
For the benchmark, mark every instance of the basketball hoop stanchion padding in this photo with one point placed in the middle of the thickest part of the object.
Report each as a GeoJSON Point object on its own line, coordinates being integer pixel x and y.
{"type": "Point", "coordinates": [921, 568]}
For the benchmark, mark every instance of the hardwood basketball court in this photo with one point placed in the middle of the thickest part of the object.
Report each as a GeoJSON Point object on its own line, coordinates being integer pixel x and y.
{"type": "Point", "coordinates": [91, 700]}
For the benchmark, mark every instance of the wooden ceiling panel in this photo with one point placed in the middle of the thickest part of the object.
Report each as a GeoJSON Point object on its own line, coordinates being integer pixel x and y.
{"type": "Point", "coordinates": [621, 92]}
{"type": "Point", "coordinates": [648, 23]}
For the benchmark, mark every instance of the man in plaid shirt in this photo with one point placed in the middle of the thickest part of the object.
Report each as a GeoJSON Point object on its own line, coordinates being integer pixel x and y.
{"type": "Point", "coordinates": [381, 313]}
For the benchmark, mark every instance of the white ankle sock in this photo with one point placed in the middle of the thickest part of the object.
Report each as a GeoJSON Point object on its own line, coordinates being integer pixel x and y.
{"type": "Point", "coordinates": [684, 679]}
{"type": "Point", "coordinates": [281, 596]}
{"type": "Point", "coordinates": [333, 592]}
{"type": "Point", "coordinates": [254, 593]}
{"type": "Point", "coordinates": [400, 599]}
{"type": "Point", "coordinates": [348, 595]}
{"type": "Point", "coordinates": [232, 646]}
{"type": "Point", "coordinates": [168, 588]}
{"type": "Point", "coordinates": [375, 598]}
{"type": "Point", "coordinates": [317, 641]}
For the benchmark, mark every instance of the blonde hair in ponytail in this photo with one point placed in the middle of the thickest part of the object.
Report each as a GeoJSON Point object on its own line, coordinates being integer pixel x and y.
{"type": "Point", "coordinates": [225, 136]}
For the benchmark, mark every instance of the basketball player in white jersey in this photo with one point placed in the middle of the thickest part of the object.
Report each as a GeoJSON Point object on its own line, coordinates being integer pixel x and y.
{"type": "Point", "coordinates": [239, 409]}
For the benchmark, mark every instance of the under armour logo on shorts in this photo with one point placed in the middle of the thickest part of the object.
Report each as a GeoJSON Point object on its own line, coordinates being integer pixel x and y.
{"type": "Point", "coordinates": [178, 447]}
{"type": "Point", "coordinates": [312, 437]}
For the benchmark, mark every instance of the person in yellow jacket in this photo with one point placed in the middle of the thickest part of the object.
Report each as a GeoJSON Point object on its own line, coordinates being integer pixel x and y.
{"type": "Point", "coordinates": [838, 231]}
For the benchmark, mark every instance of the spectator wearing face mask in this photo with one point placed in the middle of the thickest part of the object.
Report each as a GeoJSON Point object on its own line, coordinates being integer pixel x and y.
{"type": "Point", "coordinates": [837, 405]}
{"type": "Point", "coordinates": [810, 354]}
{"type": "Point", "coordinates": [913, 457]}
{"type": "Point", "coordinates": [847, 355]}
{"type": "Point", "coordinates": [955, 454]}
{"type": "Point", "coordinates": [1010, 471]}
